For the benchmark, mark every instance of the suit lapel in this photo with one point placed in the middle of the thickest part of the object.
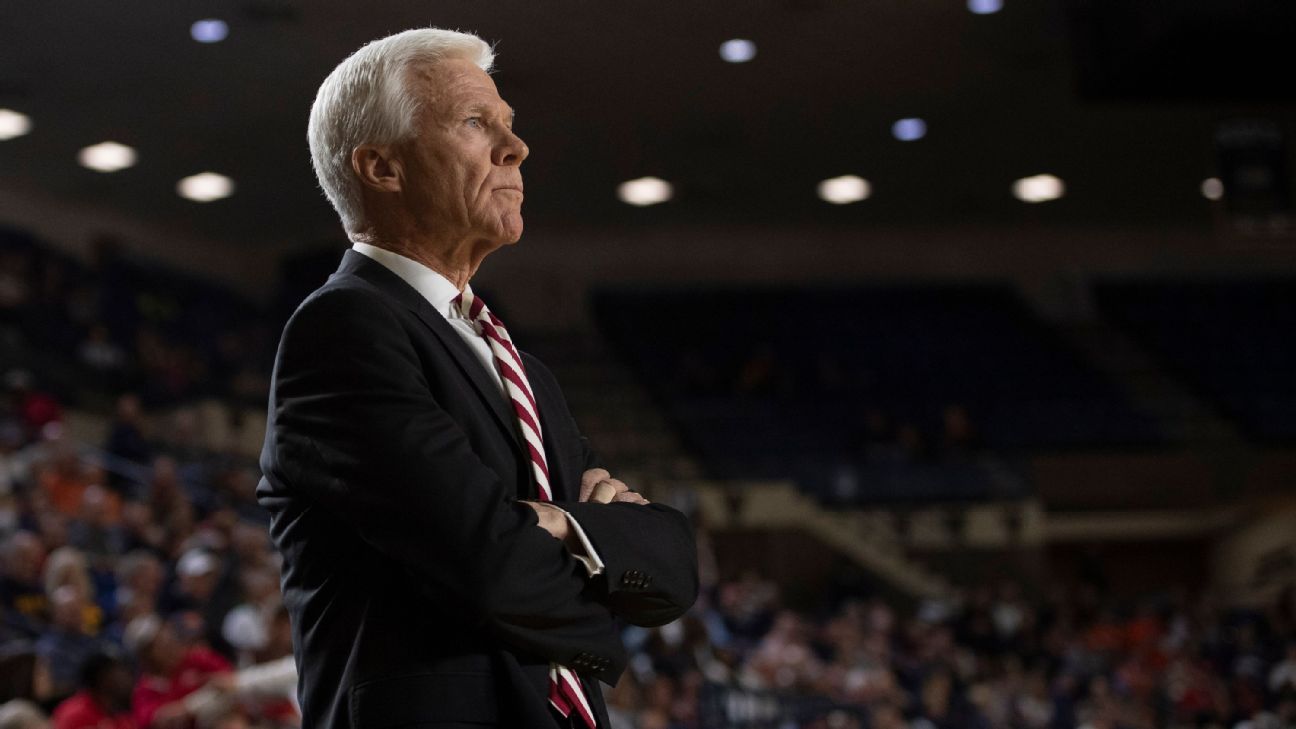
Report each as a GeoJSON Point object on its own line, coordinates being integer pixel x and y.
{"type": "Point", "coordinates": [388, 282]}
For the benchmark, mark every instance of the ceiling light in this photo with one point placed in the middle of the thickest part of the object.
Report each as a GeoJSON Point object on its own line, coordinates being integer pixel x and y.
{"type": "Point", "coordinates": [209, 31]}
{"type": "Point", "coordinates": [910, 129]}
{"type": "Point", "coordinates": [845, 189]}
{"type": "Point", "coordinates": [738, 50]}
{"type": "Point", "coordinates": [205, 187]}
{"type": "Point", "coordinates": [1039, 188]}
{"type": "Point", "coordinates": [1212, 188]}
{"type": "Point", "coordinates": [985, 7]}
{"type": "Point", "coordinates": [13, 124]}
{"type": "Point", "coordinates": [645, 191]}
{"type": "Point", "coordinates": [107, 157]}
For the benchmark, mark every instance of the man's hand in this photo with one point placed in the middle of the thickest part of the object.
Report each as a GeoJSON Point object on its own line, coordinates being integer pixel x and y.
{"type": "Point", "coordinates": [598, 485]}
{"type": "Point", "coordinates": [552, 519]}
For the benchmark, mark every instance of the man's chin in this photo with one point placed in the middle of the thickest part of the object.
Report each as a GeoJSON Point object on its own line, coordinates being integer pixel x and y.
{"type": "Point", "coordinates": [512, 228]}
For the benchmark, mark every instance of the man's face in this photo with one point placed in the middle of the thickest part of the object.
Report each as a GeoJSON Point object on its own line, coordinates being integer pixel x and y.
{"type": "Point", "coordinates": [461, 172]}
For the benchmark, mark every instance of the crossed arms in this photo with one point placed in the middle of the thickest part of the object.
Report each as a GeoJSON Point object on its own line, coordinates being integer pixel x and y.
{"type": "Point", "coordinates": [354, 412]}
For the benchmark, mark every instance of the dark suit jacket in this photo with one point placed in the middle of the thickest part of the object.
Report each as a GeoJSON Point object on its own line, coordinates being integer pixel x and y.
{"type": "Point", "coordinates": [420, 591]}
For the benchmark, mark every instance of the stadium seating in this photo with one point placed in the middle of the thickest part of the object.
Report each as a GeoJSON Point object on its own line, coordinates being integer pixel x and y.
{"type": "Point", "coordinates": [783, 382]}
{"type": "Point", "coordinates": [1231, 340]}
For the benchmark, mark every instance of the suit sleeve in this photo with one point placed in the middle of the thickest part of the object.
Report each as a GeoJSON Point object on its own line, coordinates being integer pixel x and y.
{"type": "Point", "coordinates": [356, 429]}
{"type": "Point", "coordinates": [649, 552]}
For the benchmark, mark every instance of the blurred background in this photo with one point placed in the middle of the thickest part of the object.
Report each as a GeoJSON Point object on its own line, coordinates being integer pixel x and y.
{"type": "Point", "coordinates": [963, 329]}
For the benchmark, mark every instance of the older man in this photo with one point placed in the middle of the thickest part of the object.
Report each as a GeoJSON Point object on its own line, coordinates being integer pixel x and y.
{"type": "Point", "coordinates": [452, 553]}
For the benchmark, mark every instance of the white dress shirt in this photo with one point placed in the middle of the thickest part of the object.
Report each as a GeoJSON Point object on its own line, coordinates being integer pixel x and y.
{"type": "Point", "coordinates": [440, 293]}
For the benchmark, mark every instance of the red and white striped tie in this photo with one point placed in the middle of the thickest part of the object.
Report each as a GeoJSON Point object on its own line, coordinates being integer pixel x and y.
{"type": "Point", "coordinates": [564, 688]}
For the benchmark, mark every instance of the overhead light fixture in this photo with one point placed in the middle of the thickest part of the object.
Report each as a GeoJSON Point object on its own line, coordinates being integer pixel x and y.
{"type": "Point", "coordinates": [845, 189]}
{"type": "Point", "coordinates": [985, 7]}
{"type": "Point", "coordinates": [738, 50]}
{"type": "Point", "coordinates": [645, 191]}
{"type": "Point", "coordinates": [205, 187]}
{"type": "Point", "coordinates": [107, 156]}
{"type": "Point", "coordinates": [1212, 188]}
{"type": "Point", "coordinates": [211, 30]}
{"type": "Point", "coordinates": [909, 129]}
{"type": "Point", "coordinates": [1039, 188]}
{"type": "Point", "coordinates": [13, 124]}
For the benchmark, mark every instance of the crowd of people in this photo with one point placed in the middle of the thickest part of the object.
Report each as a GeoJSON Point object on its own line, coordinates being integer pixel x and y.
{"type": "Point", "coordinates": [138, 585]}
{"type": "Point", "coordinates": [991, 658]}
{"type": "Point", "coordinates": [153, 602]}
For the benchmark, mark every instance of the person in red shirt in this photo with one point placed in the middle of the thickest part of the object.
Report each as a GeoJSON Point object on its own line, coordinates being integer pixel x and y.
{"type": "Point", "coordinates": [177, 682]}
{"type": "Point", "coordinates": [104, 700]}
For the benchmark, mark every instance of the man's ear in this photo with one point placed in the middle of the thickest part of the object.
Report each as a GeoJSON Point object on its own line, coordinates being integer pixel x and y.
{"type": "Point", "coordinates": [377, 167]}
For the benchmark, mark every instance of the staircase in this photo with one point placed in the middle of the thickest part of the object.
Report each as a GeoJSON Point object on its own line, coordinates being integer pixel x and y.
{"type": "Point", "coordinates": [867, 537]}
{"type": "Point", "coordinates": [1183, 416]}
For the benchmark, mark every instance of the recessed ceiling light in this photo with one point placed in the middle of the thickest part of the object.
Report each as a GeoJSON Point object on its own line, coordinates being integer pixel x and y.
{"type": "Point", "coordinates": [645, 191]}
{"type": "Point", "coordinates": [738, 50]}
{"type": "Point", "coordinates": [211, 30]}
{"type": "Point", "coordinates": [107, 157]}
{"type": "Point", "coordinates": [985, 7]}
{"type": "Point", "coordinates": [845, 189]}
{"type": "Point", "coordinates": [205, 187]}
{"type": "Point", "coordinates": [909, 129]}
{"type": "Point", "coordinates": [1212, 188]}
{"type": "Point", "coordinates": [1039, 188]}
{"type": "Point", "coordinates": [13, 124]}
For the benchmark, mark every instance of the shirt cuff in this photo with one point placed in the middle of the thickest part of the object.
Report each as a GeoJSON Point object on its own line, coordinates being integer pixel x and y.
{"type": "Point", "coordinates": [593, 563]}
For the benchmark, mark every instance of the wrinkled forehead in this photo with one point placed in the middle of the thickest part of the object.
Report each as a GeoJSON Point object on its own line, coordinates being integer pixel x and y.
{"type": "Point", "coordinates": [443, 86]}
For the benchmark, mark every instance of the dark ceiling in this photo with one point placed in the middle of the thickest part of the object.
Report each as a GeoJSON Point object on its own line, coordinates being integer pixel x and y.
{"type": "Point", "coordinates": [610, 91]}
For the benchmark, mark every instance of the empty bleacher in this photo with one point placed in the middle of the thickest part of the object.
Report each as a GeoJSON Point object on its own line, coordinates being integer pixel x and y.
{"type": "Point", "coordinates": [850, 390]}
{"type": "Point", "coordinates": [1231, 340]}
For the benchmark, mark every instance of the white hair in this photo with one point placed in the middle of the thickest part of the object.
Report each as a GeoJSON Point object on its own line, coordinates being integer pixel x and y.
{"type": "Point", "coordinates": [22, 714]}
{"type": "Point", "coordinates": [366, 100]}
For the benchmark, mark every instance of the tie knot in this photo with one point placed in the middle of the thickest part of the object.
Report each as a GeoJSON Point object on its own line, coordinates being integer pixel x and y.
{"type": "Point", "coordinates": [472, 307]}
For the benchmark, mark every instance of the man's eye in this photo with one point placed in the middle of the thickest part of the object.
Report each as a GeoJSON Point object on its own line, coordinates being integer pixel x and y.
{"type": "Point", "coordinates": [473, 121]}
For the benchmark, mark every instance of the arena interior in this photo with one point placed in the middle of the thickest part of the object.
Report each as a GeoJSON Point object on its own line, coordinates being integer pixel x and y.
{"type": "Point", "coordinates": [965, 332]}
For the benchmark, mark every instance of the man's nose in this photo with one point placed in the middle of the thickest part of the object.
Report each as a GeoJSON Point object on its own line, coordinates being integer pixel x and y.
{"type": "Point", "coordinates": [511, 150]}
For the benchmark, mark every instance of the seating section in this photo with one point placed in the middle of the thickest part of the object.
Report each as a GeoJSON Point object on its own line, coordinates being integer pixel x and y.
{"type": "Point", "coordinates": [119, 323]}
{"type": "Point", "coordinates": [1231, 340]}
{"type": "Point", "coordinates": [840, 385]}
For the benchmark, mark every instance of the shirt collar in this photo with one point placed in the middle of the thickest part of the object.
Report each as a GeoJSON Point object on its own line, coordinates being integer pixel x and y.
{"type": "Point", "coordinates": [437, 289]}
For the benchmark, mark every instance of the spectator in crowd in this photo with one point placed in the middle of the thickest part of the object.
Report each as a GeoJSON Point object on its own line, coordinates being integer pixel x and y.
{"type": "Point", "coordinates": [169, 504]}
{"type": "Point", "coordinates": [68, 567]}
{"type": "Point", "coordinates": [22, 714]}
{"type": "Point", "coordinates": [96, 530]}
{"type": "Point", "coordinates": [171, 671]}
{"type": "Point", "coordinates": [35, 409]}
{"type": "Point", "coordinates": [104, 701]}
{"type": "Point", "coordinates": [23, 595]}
{"type": "Point", "coordinates": [247, 627]}
{"type": "Point", "coordinates": [66, 644]}
{"type": "Point", "coordinates": [24, 674]}
{"type": "Point", "coordinates": [63, 476]}
{"type": "Point", "coordinates": [102, 355]}
{"type": "Point", "coordinates": [127, 443]}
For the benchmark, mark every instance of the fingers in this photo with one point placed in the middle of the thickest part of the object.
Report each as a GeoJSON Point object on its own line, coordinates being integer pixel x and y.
{"type": "Point", "coordinates": [607, 489]}
{"type": "Point", "coordinates": [591, 478]}
{"type": "Point", "coordinates": [599, 486]}
{"type": "Point", "coordinates": [631, 497]}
